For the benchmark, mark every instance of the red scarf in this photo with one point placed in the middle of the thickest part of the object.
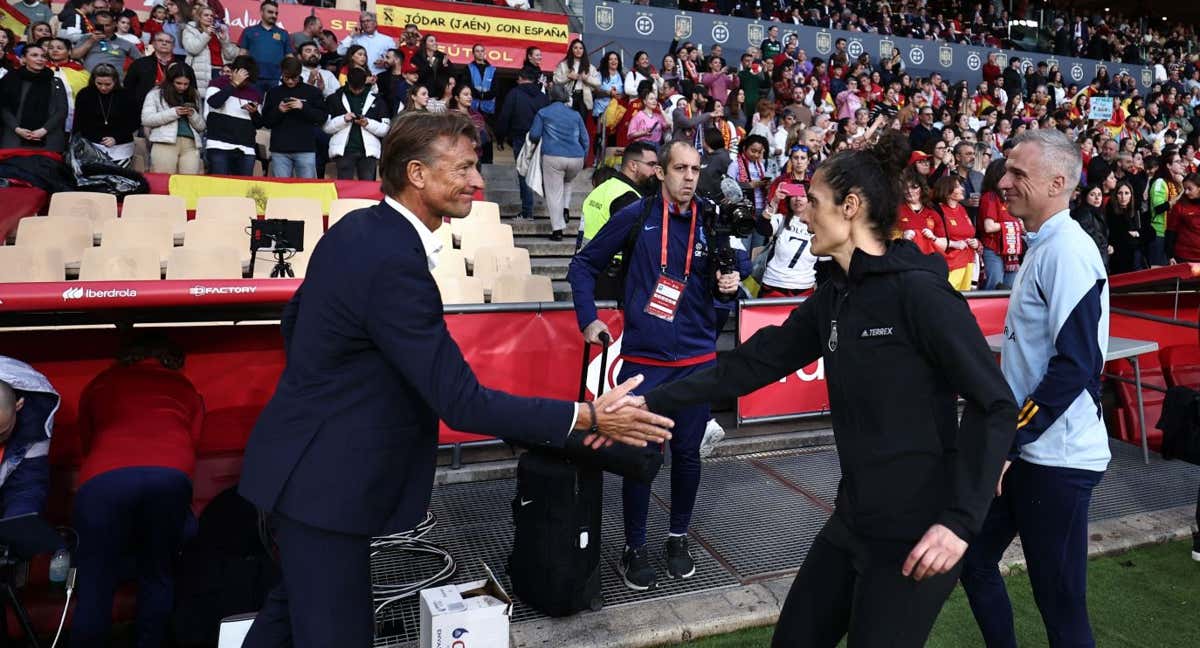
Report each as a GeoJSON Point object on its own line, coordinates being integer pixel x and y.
{"type": "Point", "coordinates": [744, 170]}
{"type": "Point", "coordinates": [214, 50]}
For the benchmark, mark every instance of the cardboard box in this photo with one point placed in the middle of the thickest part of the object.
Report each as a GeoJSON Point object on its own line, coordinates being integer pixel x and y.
{"type": "Point", "coordinates": [467, 615]}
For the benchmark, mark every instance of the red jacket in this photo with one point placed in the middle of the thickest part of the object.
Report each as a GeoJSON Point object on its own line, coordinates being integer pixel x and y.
{"type": "Point", "coordinates": [1184, 221]}
{"type": "Point", "coordinates": [139, 415]}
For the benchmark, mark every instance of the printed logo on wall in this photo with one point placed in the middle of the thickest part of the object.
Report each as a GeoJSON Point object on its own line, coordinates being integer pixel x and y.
{"type": "Point", "coordinates": [916, 55]}
{"type": "Point", "coordinates": [974, 62]}
{"type": "Point", "coordinates": [886, 48]}
{"type": "Point", "coordinates": [1002, 60]}
{"type": "Point", "coordinates": [683, 26]}
{"type": "Point", "coordinates": [1051, 62]}
{"type": "Point", "coordinates": [1147, 77]}
{"type": "Point", "coordinates": [1077, 72]}
{"type": "Point", "coordinates": [604, 18]}
{"type": "Point", "coordinates": [644, 24]}
{"type": "Point", "coordinates": [945, 56]}
{"type": "Point", "coordinates": [1025, 65]}
{"type": "Point", "coordinates": [854, 48]}
{"type": "Point", "coordinates": [824, 42]}
{"type": "Point", "coordinates": [755, 34]}
{"type": "Point", "coordinates": [720, 32]}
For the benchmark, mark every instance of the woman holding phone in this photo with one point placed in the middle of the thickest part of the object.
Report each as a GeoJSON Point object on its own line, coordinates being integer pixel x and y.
{"type": "Point", "coordinates": [176, 125]}
{"type": "Point", "coordinates": [791, 268]}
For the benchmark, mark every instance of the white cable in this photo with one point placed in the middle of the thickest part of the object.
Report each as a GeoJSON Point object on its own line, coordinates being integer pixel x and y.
{"type": "Point", "coordinates": [63, 620]}
{"type": "Point", "coordinates": [411, 542]}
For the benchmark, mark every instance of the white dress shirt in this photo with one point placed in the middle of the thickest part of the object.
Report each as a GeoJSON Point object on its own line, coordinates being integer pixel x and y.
{"type": "Point", "coordinates": [377, 46]}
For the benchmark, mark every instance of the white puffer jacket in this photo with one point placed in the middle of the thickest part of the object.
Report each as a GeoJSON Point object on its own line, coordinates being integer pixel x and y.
{"type": "Point", "coordinates": [161, 119]}
{"type": "Point", "coordinates": [199, 57]}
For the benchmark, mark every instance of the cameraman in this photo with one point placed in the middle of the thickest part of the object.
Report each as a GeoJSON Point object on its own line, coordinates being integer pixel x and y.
{"type": "Point", "coordinates": [635, 177]}
{"type": "Point", "coordinates": [670, 333]}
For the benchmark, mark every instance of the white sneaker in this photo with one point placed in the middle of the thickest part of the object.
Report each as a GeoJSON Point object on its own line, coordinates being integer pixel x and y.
{"type": "Point", "coordinates": [713, 434]}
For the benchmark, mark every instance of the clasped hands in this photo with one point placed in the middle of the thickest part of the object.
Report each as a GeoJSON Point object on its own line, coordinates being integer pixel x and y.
{"type": "Point", "coordinates": [623, 418]}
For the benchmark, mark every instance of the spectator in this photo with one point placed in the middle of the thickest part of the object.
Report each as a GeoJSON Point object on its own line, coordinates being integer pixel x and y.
{"type": "Point", "coordinates": [118, 10]}
{"type": "Point", "coordinates": [179, 12]}
{"type": "Point", "coordinates": [533, 63]}
{"type": "Point", "coordinates": [149, 71]}
{"type": "Point", "coordinates": [750, 172]}
{"type": "Point", "coordinates": [564, 140]}
{"type": "Point", "coordinates": [440, 95]}
{"type": "Point", "coordinates": [791, 268]}
{"type": "Point", "coordinates": [521, 104]}
{"type": "Point", "coordinates": [394, 84]}
{"type": "Point", "coordinates": [958, 231]}
{"type": "Point", "coordinates": [641, 71]}
{"type": "Point", "coordinates": [140, 421]}
{"type": "Point", "coordinates": [267, 43]}
{"type": "Point", "coordinates": [330, 59]}
{"type": "Point", "coordinates": [75, 20]}
{"type": "Point", "coordinates": [357, 121]}
{"type": "Point", "coordinates": [35, 11]}
{"type": "Point", "coordinates": [356, 57]}
{"type": "Point", "coordinates": [376, 43]}
{"type": "Point", "coordinates": [34, 106]}
{"type": "Point", "coordinates": [1165, 192]}
{"type": "Point", "coordinates": [293, 110]}
{"type": "Point", "coordinates": [963, 156]}
{"type": "Point", "coordinates": [1000, 232]}
{"type": "Point", "coordinates": [410, 42]}
{"type": "Point", "coordinates": [171, 112]}
{"type": "Point", "coordinates": [1088, 214]}
{"type": "Point", "coordinates": [1183, 224]}
{"type": "Point", "coordinates": [639, 163]}
{"type": "Point", "coordinates": [714, 164]}
{"type": "Point", "coordinates": [27, 406]}
{"type": "Point", "coordinates": [648, 124]}
{"type": "Point", "coordinates": [125, 32]}
{"type": "Point", "coordinates": [72, 74]}
{"type": "Point", "coordinates": [461, 101]}
{"type": "Point", "coordinates": [719, 80]}
{"type": "Point", "coordinates": [1128, 230]}
{"type": "Point", "coordinates": [916, 220]}
{"type": "Point", "coordinates": [234, 114]}
{"type": "Point", "coordinates": [752, 79]}
{"type": "Point", "coordinates": [154, 24]}
{"type": "Point", "coordinates": [8, 57]}
{"type": "Point", "coordinates": [208, 47]}
{"type": "Point", "coordinates": [37, 33]}
{"type": "Point", "coordinates": [310, 34]}
{"type": "Point", "coordinates": [107, 115]}
{"type": "Point", "coordinates": [924, 131]}
{"type": "Point", "coordinates": [418, 99]}
{"type": "Point", "coordinates": [481, 77]}
{"type": "Point", "coordinates": [771, 47]}
{"type": "Point", "coordinates": [433, 70]}
{"type": "Point", "coordinates": [315, 75]}
{"type": "Point", "coordinates": [612, 84]}
{"type": "Point", "coordinates": [576, 73]}
{"type": "Point", "coordinates": [688, 117]}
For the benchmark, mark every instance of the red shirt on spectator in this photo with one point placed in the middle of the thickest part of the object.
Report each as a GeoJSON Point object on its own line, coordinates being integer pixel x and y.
{"type": "Point", "coordinates": [958, 227]}
{"type": "Point", "coordinates": [907, 219]}
{"type": "Point", "coordinates": [139, 415]}
{"type": "Point", "coordinates": [1184, 220]}
{"type": "Point", "coordinates": [1006, 242]}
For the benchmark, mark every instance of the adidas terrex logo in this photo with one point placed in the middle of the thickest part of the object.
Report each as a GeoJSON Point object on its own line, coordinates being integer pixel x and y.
{"type": "Point", "coordinates": [876, 332]}
{"type": "Point", "coordinates": [200, 291]}
{"type": "Point", "coordinates": [88, 293]}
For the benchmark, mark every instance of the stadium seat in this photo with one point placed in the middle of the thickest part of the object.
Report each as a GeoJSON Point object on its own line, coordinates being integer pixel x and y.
{"type": "Point", "coordinates": [93, 205]}
{"type": "Point", "coordinates": [173, 209]}
{"type": "Point", "coordinates": [137, 232]}
{"type": "Point", "coordinates": [461, 290]}
{"type": "Point", "coordinates": [216, 262]}
{"type": "Point", "coordinates": [484, 236]}
{"type": "Point", "coordinates": [22, 264]}
{"type": "Point", "coordinates": [450, 264]}
{"type": "Point", "coordinates": [510, 289]}
{"type": "Point", "coordinates": [445, 236]}
{"type": "Point", "coordinates": [120, 264]}
{"type": "Point", "coordinates": [1181, 364]}
{"type": "Point", "coordinates": [486, 211]}
{"type": "Point", "coordinates": [343, 206]}
{"type": "Point", "coordinates": [71, 234]}
{"type": "Point", "coordinates": [301, 209]}
{"type": "Point", "coordinates": [217, 231]}
{"type": "Point", "coordinates": [1127, 417]}
{"type": "Point", "coordinates": [239, 207]}
{"type": "Point", "coordinates": [492, 261]}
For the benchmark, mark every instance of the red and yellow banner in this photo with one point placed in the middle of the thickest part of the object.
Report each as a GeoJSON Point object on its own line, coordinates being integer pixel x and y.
{"type": "Point", "coordinates": [240, 14]}
{"type": "Point", "coordinates": [11, 19]}
{"type": "Point", "coordinates": [504, 33]}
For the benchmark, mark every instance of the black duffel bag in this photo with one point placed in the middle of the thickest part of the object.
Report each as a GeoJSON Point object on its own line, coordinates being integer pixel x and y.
{"type": "Point", "coordinates": [1180, 425]}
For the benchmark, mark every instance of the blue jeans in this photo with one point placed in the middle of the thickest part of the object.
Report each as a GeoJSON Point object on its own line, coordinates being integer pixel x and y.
{"type": "Point", "coordinates": [294, 165]}
{"type": "Point", "coordinates": [138, 513]}
{"type": "Point", "coordinates": [685, 457]}
{"type": "Point", "coordinates": [1048, 507]}
{"type": "Point", "coordinates": [993, 266]}
{"type": "Point", "coordinates": [223, 162]}
{"type": "Point", "coordinates": [526, 193]}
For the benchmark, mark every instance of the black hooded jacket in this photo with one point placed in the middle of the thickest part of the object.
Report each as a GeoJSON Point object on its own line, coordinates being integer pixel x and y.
{"type": "Point", "coordinates": [899, 344]}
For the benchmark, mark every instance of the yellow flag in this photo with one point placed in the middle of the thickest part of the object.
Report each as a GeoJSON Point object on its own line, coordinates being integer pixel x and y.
{"type": "Point", "coordinates": [192, 187]}
{"type": "Point", "coordinates": [13, 20]}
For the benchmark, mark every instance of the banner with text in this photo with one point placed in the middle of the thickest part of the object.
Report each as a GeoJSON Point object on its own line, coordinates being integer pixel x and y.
{"type": "Point", "coordinates": [630, 28]}
{"type": "Point", "coordinates": [504, 33]}
{"type": "Point", "coordinates": [240, 14]}
{"type": "Point", "coordinates": [805, 391]}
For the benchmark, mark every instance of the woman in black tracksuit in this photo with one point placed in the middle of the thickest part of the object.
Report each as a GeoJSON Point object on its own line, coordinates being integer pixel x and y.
{"type": "Point", "coordinates": [899, 346]}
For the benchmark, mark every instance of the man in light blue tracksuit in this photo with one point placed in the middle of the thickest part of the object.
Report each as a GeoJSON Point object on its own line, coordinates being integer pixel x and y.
{"type": "Point", "coordinates": [1056, 335]}
{"type": "Point", "coordinates": [670, 333]}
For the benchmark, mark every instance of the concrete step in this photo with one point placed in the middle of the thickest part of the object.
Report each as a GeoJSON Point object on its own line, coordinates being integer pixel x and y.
{"type": "Point", "coordinates": [562, 290]}
{"type": "Point", "coordinates": [553, 267]}
{"type": "Point", "coordinates": [540, 246]}
{"type": "Point", "coordinates": [540, 226]}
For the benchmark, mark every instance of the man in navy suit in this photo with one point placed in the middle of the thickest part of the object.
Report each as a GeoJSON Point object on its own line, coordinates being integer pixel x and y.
{"type": "Point", "coordinates": [346, 447]}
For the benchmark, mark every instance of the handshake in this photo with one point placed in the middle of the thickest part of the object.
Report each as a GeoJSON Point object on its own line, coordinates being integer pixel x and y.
{"type": "Point", "coordinates": [622, 418]}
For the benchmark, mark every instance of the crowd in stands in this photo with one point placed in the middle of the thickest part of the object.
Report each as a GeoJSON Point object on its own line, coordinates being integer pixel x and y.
{"type": "Point", "coordinates": [1110, 36]}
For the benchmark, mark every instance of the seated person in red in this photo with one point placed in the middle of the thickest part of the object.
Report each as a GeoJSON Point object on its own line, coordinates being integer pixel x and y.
{"type": "Point", "coordinates": [139, 422]}
{"type": "Point", "coordinates": [27, 407]}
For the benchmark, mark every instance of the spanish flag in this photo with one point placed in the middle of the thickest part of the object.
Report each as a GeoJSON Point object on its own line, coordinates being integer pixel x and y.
{"type": "Point", "coordinates": [192, 187]}
{"type": "Point", "coordinates": [13, 20]}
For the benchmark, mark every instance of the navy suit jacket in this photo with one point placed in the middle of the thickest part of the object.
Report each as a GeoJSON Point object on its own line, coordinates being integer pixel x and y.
{"type": "Point", "coordinates": [348, 442]}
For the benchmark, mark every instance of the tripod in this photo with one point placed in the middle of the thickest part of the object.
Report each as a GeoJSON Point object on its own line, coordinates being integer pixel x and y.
{"type": "Point", "coordinates": [282, 267]}
{"type": "Point", "coordinates": [7, 577]}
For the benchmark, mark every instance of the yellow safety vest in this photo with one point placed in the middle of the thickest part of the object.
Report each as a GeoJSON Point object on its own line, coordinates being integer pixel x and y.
{"type": "Point", "coordinates": [596, 206]}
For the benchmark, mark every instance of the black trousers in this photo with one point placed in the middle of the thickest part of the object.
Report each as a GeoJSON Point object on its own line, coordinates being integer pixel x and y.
{"type": "Point", "coordinates": [849, 585]}
{"type": "Point", "coordinates": [324, 597]}
{"type": "Point", "coordinates": [355, 166]}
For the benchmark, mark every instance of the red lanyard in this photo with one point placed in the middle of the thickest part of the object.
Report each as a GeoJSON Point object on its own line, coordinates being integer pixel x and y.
{"type": "Point", "coordinates": [687, 263]}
